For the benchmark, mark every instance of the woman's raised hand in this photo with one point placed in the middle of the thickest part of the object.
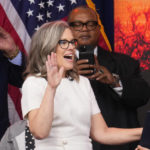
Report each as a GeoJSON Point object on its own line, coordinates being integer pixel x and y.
{"type": "Point", "coordinates": [54, 74]}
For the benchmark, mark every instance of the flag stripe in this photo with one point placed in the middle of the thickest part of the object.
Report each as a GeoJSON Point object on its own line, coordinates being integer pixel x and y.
{"type": "Point", "coordinates": [13, 114]}
{"type": "Point", "coordinates": [15, 95]}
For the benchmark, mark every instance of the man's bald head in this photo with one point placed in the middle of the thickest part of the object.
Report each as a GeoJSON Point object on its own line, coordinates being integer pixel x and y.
{"type": "Point", "coordinates": [84, 25]}
{"type": "Point", "coordinates": [82, 8]}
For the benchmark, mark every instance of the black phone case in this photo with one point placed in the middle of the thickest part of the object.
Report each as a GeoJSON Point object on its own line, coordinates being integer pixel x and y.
{"type": "Point", "coordinates": [87, 52]}
{"type": "Point", "coordinates": [87, 55]}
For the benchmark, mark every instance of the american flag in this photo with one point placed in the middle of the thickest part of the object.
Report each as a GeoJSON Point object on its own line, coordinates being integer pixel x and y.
{"type": "Point", "coordinates": [21, 18]}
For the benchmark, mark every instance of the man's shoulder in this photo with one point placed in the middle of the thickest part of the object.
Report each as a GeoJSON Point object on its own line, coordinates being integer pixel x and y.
{"type": "Point", "coordinates": [116, 55]}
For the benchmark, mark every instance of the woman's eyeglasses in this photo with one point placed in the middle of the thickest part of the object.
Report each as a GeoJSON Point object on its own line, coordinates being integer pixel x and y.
{"type": "Point", "coordinates": [64, 44]}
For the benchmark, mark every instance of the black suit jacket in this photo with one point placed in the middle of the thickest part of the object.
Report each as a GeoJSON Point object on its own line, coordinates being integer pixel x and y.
{"type": "Point", "coordinates": [9, 74]}
{"type": "Point", "coordinates": [120, 111]}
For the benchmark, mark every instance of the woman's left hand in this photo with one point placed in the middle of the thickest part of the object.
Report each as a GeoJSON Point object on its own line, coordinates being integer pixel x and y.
{"type": "Point", "coordinates": [54, 75]}
{"type": "Point", "coordinates": [141, 148]}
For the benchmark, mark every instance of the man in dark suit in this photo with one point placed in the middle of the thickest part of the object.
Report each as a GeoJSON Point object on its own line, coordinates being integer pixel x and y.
{"type": "Point", "coordinates": [12, 64]}
{"type": "Point", "coordinates": [116, 81]}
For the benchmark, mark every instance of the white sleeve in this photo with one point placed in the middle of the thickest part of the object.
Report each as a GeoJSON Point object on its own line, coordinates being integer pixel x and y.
{"type": "Point", "coordinates": [119, 90]}
{"type": "Point", "coordinates": [32, 94]}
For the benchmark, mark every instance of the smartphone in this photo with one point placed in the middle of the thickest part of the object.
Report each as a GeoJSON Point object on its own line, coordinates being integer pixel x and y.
{"type": "Point", "coordinates": [87, 52]}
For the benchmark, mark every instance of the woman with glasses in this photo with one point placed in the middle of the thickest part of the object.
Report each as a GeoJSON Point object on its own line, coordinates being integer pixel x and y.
{"type": "Point", "coordinates": [60, 105]}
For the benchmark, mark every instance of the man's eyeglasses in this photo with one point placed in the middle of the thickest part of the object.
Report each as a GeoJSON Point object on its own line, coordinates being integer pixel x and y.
{"type": "Point", "coordinates": [78, 26]}
{"type": "Point", "coordinates": [64, 44]}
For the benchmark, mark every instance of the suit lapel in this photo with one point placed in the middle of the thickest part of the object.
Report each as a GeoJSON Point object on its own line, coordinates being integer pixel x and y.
{"type": "Point", "coordinates": [105, 58]}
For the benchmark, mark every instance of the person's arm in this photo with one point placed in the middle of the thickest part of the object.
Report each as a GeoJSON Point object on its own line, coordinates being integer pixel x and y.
{"type": "Point", "coordinates": [139, 147]}
{"type": "Point", "coordinates": [16, 59]}
{"type": "Point", "coordinates": [16, 70]}
{"type": "Point", "coordinates": [100, 132]}
{"type": "Point", "coordinates": [101, 73]}
{"type": "Point", "coordinates": [135, 89]}
{"type": "Point", "coordinates": [40, 120]}
{"type": "Point", "coordinates": [15, 75]}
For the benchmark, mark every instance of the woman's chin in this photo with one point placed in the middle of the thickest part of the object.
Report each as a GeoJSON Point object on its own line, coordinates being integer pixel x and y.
{"type": "Point", "coordinates": [67, 68]}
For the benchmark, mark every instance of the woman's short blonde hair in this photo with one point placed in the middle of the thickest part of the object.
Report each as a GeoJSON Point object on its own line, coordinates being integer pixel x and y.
{"type": "Point", "coordinates": [45, 41]}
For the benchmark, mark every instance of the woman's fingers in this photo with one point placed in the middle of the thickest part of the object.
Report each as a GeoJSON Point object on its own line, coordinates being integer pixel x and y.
{"type": "Point", "coordinates": [53, 59]}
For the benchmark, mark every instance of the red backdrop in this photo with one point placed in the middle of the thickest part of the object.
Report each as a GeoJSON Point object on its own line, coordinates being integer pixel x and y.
{"type": "Point", "coordinates": [132, 29]}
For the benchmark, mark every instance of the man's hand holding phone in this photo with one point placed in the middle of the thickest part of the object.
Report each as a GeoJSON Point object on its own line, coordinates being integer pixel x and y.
{"type": "Point", "coordinates": [84, 68]}
{"type": "Point", "coordinates": [103, 75]}
{"type": "Point", "coordinates": [96, 72]}
{"type": "Point", "coordinates": [89, 66]}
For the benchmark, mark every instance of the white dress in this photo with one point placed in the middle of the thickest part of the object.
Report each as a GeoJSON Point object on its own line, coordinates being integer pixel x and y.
{"type": "Point", "coordinates": [74, 104]}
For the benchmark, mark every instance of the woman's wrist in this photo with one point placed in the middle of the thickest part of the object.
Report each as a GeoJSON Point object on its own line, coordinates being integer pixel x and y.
{"type": "Point", "coordinates": [51, 88]}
